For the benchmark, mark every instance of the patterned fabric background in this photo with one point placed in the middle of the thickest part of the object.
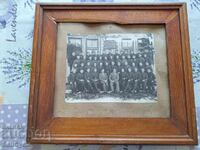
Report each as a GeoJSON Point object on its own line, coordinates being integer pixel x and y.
{"type": "Point", "coordinates": [16, 35]}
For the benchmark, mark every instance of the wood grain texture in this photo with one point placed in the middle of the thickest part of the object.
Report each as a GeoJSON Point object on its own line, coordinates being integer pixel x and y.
{"type": "Point", "coordinates": [180, 128]}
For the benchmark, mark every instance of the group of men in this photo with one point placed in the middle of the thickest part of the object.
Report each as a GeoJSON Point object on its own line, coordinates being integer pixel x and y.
{"type": "Point", "coordinates": [126, 73]}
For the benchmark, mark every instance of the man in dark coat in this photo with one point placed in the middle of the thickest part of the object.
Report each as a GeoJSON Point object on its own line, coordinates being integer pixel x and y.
{"type": "Point", "coordinates": [95, 80]}
{"type": "Point", "coordinates": [72, 81]}
{"type": "Point", "coordinates": [103, 77]}
{"type": "Point", "coordinates": [88, 81]}
{"type": "Point", "coordinates": [112, 66]}
{"type": "Point", "coordinates": [136, 78]}
{"type": "Point", "coordinates": [128, 86]}
{"type": "Point", "coordinates": [133, 65]}
{"type": "Point", "coordinates": [81, 81]}
{"type": "Point", "coordinates": [151, 82]}
{"type": "Point", "coordinates": [107, 67]}
{"type": "Point", "coordinates": [114, 81]}
{"type": "Point", "coordinates": [123, 79]}
{"type": "Point", "coordinates": [118, 66]}
{"type": "Point", "coordinates": [143, 82]}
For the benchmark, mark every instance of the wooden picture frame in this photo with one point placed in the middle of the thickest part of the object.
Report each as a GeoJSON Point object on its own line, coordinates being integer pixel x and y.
{"type": "Point", "coordinates": [179, 128]}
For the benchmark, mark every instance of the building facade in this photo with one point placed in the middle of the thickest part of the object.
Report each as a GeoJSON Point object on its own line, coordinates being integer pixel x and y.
{"type": "Point", "coordinates": [99, 44]}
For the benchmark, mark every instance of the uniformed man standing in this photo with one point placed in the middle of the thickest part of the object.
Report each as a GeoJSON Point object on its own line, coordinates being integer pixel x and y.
{"type": "Point", "coordinates": [103, 77]}
{"type": "Point", "coordinates": [100, 66]}
{"type": "Point", "coordinates": [77, 61]}
{"type": "Point", "coordinates": [114, 80]}
{"type": "Point", "coordinates": [71, 57]}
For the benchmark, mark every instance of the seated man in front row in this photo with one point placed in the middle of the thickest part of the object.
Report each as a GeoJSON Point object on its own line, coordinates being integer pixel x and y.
{"type": "Point", "coordinates": [80, 81]}
{"type": "Point", "coordinates": [88, 83]}
{"type": "Point", "coordinates": [72, 81]}
{"type": "Point", "coordinates": [95, 80]}
{"type": "Point", "coordinates": [114, 80]}
{"type": "Point", "coordinates": [104, 80]}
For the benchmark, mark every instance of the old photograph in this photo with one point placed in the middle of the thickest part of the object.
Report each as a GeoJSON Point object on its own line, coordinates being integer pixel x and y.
{"type": "Point", "coordinates": [117, 67]}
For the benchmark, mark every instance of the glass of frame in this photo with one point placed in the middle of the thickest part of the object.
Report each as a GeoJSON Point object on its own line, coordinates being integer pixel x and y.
{"type": "Point", "coordinates": [111, 70]}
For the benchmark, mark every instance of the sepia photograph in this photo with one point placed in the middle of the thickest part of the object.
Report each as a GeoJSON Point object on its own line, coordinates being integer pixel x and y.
{"type": "Point", "coordinates": [113, 67]}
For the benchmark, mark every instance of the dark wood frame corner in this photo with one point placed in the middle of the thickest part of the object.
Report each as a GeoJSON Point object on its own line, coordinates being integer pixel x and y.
{"type": "Point", "coordinates": [180, 128]}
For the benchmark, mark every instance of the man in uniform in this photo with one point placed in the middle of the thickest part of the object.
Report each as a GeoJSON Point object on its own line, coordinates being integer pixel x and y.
{"type": "Point", "coordinates": [133, 66]}
{"type": "Point", "coordinates": [107, 67]}
{"type": "Point", "coordinates": [119, 66]}
{"type": "Point", "coordinates": [100, 66]}
{"type": "Point", "coordinates": [90, 58]}
{"type": "Point", "coordinates": [88, 65]}
{"type": "Point", "coordinates": [129, 81]}
{"type": "Point", "coordinates": [111, 57]}
{"type": "Point", "coordinates": [146, 58]}
{"type": "Point", "coordinates": [95, 80]}
{"type": "Point", "coordinates": [112, 65]}
{"type": "Point", "coordinates": [143, 83]}
{"type": "Point", "coordinates": [117, 58]}
{"type": "Point", "coordinates": [95, 60]}
{"type": "Point", "coordinates": [133, 57]}
{"type": "Point", "coordinates": [147, 66]}
{"type": "Point", "coordinates": [100, 58]}
{"type": "Point", "coordinates": [80, 81]}
{"type": "Point", "coordinates": [128, 57]}
{"type": "Point", "coordinates": [136, 78]}
{"type": "Point", "coordinates": [71, 57]}
{"type": "Point", "coordinates": [125, 65]}
{"type": "Point", "coordinates": [114, 80]}
{"type": "Point", "coordinates": [105, 58]}
{"type": "Point", "coordinates": [124, 58]}
{"type": "Point", "coordinates": [140, 59]}
{"type": "Point", "coordinates": [140, 65]}
{"type": "Point", "coordinates": [88, 81]}
{"type": "Point", "coordinates": [151, 83]}
{"type": "Point", "coordinates": [72, 81]}
{"type": "Point", "coordinates": [77, 61]}
{"type": "Point", "coordinates": [103, 77]}
{"type": "Point", "coordinates": [75, 66]}
{"type": "Point", "coordinates": [95, 66]}
{"type": "Point", "coordinates": [123, 79]}
{"type": "Point", "coordinates": [82, 66]}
